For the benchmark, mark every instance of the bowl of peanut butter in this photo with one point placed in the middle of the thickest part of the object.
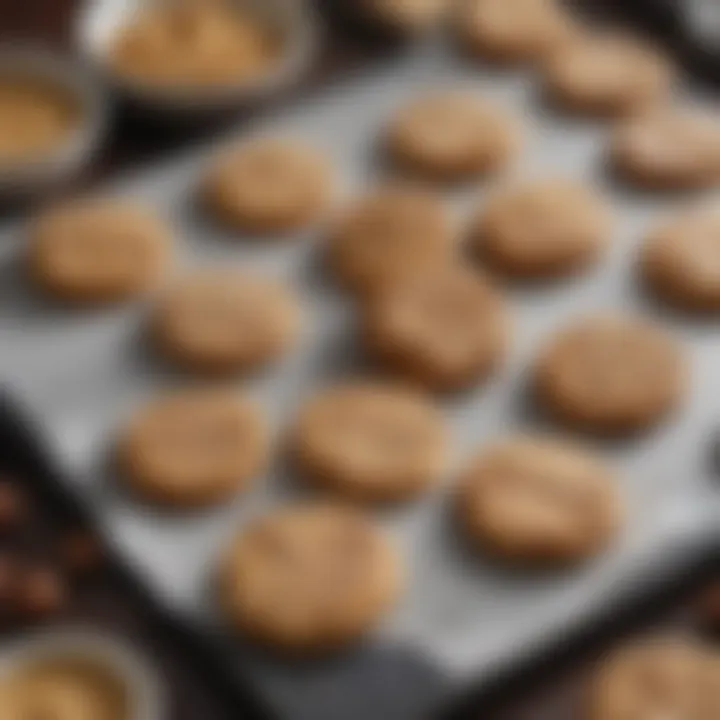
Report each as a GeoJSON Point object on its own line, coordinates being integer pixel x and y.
{"type": "Point", "coordinates": [52, 118]}
{"type": "Point", "coordinates": [198, 55]}
{"type": "Point", "coordinates": [77, 675]}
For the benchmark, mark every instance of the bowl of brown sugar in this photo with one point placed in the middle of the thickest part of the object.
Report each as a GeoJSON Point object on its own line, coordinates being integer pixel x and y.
{"type": "Point", "coordinates": [198, 56]}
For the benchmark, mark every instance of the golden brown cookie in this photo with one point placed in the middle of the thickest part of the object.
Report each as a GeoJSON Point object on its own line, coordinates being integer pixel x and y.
{"type": "Point", "coordinates": [533, 500]}
{"type": "Point", "coordinates": [370, 441]}
{"type": "Point", "coordinates": [445, 330]}
{"type": "Point", "coordinates": [680, 261]}
{"type": "Point", "coordinates": [661, 677]}
{"type": "Point", "coordinates": [611, 374]}
{"type": "Point", "coordinates": [394, 231]}
{"type": "Point", "coordinates": [452, 136]}
{"type": "Point", "coordinates": [668, 149]}
{"type": "Point", "coordinates": [98, 250]}
{"type": "Point", "coordinates": [309, 578]}
{"type": "Point", "coordinates": [549, 228]}
{"type": "Point", "coordinates": [193, 448]}
{"type": "Point", "coordinates": [513, 31]}
{"type": "Point", "coordinates": [223, 321]}
{"type": "Point", "coordinates": [269, 186]}
{"type": "Point", "coordinates": [607, 74]}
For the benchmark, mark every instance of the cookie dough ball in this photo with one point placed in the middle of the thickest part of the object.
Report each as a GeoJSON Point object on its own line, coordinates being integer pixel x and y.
{"type": "Point", "coordinates": [269, 186]}
{"type": "Point", "coordinates": [513, 31]}
{"type": "Point", "coordinates": [445, 330]}
{"type": "Point", "coordinates": [98, 251]}
{"type": "Point", "coordinates": [406, 16]}
{"type": "Point", "coordinates": [607, 75]}
{"type": "Point", "coordinates": [225, 321]}
{"type": "Point", "coordinates": [668, 149]}
{"type": "Point", "coordinates": [451, 137]}
{"type": "Point", "coordinates": [392, 232]}
{"type": "Point", "coordinates": [611, 374]}
{"type": "Point", "coordinates": [680, 261]}
{"type": "Point", "coordinates": [662, 677]}
{"type": "Point", "coordinates": [309, 578]}
{"type": "Point", "coordinates": [533, 500]}
{"type": "Point", "coordinates": [194, 448]}
{"type": "Point", "coordinates": [371, 442]}
{"type": "Point", "coordinates": [544, 229]}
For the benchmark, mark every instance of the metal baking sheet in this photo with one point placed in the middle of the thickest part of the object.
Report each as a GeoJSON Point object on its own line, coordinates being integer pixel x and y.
{"type": "Point", "coordinates": [82, 372]}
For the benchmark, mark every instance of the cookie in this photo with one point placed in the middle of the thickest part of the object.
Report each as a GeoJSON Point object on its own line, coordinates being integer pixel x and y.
{"type": "Point", "coordinates": [445, 330]}
{"type": "Point", "coordinates": [98, 251]}
{"type": "Point", "coordinates": [545, 229]}
{"type": "Point", "coordinates": [394, 231]}
{"type": "Point", "coordinates": [309, 578]}
{"type": "Point", "coordinates": [193, 448]}
{"type": "Point", "coordinates": [269, 186]}
{"type": "Point", "coordinates": [611, 374]}
{"type": "Point", "coordinates": [407, 16]}
{"type": "Point", "coordinates": [224, 321]}
{"type": "Point", "coordinates": [532, 500]}
{"type": "Point", "coordinates": [370, 441]}
{"type": "Point", "coordinates": [513, 31]}
{"type": "Point", "coordinates": [607, 74]}
{"type": "Point", "coordinates": [659, 677]}
{"type": "Point", "coordinates": [680, 261]}
{"type": "Point", "coordinates": [451, 136]}
{"type": "Point", "coordinates": [668, 149]}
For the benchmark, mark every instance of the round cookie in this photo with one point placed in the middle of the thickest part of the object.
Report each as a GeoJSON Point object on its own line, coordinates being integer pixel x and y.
{"type": "Point", "coordinates": [662, 677]}
{"type": "Point", "coordinates": [537, 501]}
{"type": "Point", "coordinates": [513, 31]}
{"type": "Point", "coordinates": [98, 251]}
{"type": "Point", "coordinates": [225, 321]}
{"type": "Point", "coordinates": [394, 231]}
{"type": "Point", "coordinates": [370, 441]}
{"type": "Point", "coordinates": [445, 330]}
{"type": "Point", "coordinates": [269, 186]}
{"type": "Point", "coordinates": [607, 75]}
{"type": "Point", "coordinates": [680, 261]}
{"type": "Point", "coordinates": [668, 149]}
{"type": "Point", "coordinates": [611, 374]}
{"type": "Point", "coordinates": [193, 448]}
{"type": "Point", "coordinates": [309, 578]}
{"type": "Point", "coordinates": [451, 136]}
{"type": "Point", "coordinates": [544, 229]}
{"type": "Point", "coordinates": [408, 16]}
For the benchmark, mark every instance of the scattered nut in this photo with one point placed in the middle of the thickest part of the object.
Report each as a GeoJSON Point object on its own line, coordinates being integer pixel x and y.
{"type": "Point", "coordinates": [81, 552]}
{"type": "Point", "coordinates": [41, 593]}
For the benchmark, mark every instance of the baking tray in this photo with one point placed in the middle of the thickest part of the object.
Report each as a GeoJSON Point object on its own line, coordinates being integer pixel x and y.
{"type": "Point", "coordinates": [463, 620]}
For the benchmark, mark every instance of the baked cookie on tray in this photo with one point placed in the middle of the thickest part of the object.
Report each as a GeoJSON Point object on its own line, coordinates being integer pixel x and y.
{"type": "Point", "coordinates": [513, 31]}
{"type": "Point", "coordinates": [309, 578]}
{"type": "Point", "coordinates": [370, 441]}
{"type": "Point", "coordinates": [452, 136]}
{"type": "Point", "coordinates": [269, 186]}
{"type": "Point", "coordinates": [680, 260]}
{"type": "Point", "coordinates": [444, 330]}
{"type": "Point", "coordinates": [193, 448]}
{"type": "Point", "coordinates": [542, 229]}
{"type": "Point", "coordinates": [668, 149]}
{"type": "Point", "coordinates": [223, 321]}
{"type": "Point", "coordinates": [607, 74]}
{"type": "Point", "coordinates": [394, 231]}
{"type": "Point", "coordinates": [611, 374]}
{"type": "Point", "coordinates": [539, 501]}
{"type": "Point", "coordinates": [98, 250]}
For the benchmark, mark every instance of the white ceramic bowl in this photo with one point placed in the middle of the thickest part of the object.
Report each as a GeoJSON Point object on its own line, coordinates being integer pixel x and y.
{"type": "Point", "coordinates": [146, 698]}
{"type": "Point", "coordinates": [27, 61]}
{"type": "Point", "coordinates": [99, 21]}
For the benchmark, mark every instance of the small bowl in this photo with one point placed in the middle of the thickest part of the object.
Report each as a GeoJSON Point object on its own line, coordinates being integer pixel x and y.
{"type": "Point", "coordinates": [99, 21]}
{"type": "Point", "coordinates": [146, 698]}
{"type": "Point", "coordinates": [40, 173]}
